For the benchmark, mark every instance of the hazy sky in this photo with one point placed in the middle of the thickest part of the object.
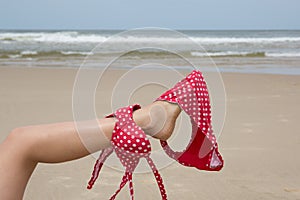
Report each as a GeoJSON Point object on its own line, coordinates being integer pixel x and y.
{"type": "Point", "coordinates": [121, 14]}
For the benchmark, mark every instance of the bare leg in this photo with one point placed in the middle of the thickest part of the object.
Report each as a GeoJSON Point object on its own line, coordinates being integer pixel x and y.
{"type": "Point", "coordinates": [52, 143]}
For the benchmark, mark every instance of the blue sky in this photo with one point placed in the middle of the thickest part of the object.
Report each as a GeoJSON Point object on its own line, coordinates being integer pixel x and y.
{"type": "Point", "coordinates": [120, 14]}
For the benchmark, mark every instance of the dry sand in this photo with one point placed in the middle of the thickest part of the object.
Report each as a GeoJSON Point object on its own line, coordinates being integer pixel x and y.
{"type": "Point", "coordinates": [260, 141]}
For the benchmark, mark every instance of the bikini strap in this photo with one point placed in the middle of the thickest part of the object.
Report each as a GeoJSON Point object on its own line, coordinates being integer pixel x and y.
{"type": "Point", "coordinates": [98, 166]}
{"type": "Point", "coordinates": [158, 178]}
{"type": "Point", "coordinates": [130, 144]}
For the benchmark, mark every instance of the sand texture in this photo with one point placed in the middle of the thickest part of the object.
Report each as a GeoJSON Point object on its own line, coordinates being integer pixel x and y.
{"type": "Point", "coordinates": [260, 141]}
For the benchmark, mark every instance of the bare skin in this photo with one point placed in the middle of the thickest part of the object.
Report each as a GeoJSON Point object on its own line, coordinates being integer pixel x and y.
{"type": "Point", "coordinates": [25, 147]}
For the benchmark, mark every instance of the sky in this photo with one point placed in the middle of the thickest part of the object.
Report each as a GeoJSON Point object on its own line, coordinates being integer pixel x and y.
{"type": "Point", "coordinates": [121, 14]}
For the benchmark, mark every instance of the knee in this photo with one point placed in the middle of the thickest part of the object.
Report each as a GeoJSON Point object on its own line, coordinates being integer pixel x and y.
{"type": "Point", "coordinates": [19, 145]}
{"type": "Point", "coordinates": [16, 134]}
{"type": "Point", "coordinates": [19, 138]}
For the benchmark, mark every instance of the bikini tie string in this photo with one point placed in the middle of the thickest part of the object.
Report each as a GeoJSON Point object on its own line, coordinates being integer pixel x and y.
{"type": "Point", "coordinates": [130, 144]}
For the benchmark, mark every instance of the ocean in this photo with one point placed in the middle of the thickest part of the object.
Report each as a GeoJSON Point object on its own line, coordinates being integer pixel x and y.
{"type": "Point", "coordinates": [232, 50]}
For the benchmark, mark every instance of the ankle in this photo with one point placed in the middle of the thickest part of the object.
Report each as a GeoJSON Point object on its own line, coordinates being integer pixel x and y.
{"type": "Point", "coordinates": [172, 109]}
{"type": "Point", "coordinates": [158, 119]}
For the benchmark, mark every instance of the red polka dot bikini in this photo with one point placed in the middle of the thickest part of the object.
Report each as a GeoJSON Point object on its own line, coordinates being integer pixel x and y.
{"type": "Point", "coordinates": [130, 143]}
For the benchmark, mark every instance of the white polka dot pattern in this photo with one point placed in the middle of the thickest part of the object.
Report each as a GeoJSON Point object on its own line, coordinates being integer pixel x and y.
{"type": "Point", "coordinates": [191, 94]}
{"type": "Point", "coordinates": [130, 144]}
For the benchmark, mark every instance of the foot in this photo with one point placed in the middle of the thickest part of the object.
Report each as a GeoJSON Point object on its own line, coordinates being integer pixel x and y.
{"type": "Point", "coordinates": [158, 119]}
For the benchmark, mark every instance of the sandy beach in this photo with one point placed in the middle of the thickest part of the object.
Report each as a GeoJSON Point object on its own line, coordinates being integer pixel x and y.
{"type": "Point", "coordinates": [260, 141]}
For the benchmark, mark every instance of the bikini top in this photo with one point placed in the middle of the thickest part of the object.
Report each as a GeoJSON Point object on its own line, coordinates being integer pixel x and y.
{"type": "Point", "coordinates": [131, 144]}
{"type": "Point", "coordinates": [191, 94]}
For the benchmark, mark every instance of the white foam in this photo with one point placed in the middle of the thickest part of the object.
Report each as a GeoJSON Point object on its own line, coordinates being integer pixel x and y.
{"type": "Point", "coordinates": [29, 53]}
{"type": "Point", "coordinates": [226, 53]}
{"type": "Point", "coordinates": [291, 54]}
{"type": "Point", "coordinates": [14, 56]}
{"type": "Point", "coordinates": [76, 53]}
{"type": "Point", "coordinates": [75, 37]}
{"type": "Point", "coordinates": [58, 37]}
{"type": "Point", "coordinates": [216, 40]}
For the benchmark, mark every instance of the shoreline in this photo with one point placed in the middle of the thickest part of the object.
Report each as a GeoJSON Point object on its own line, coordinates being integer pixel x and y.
{"type": "Point", "coordinates": [292, 71]}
